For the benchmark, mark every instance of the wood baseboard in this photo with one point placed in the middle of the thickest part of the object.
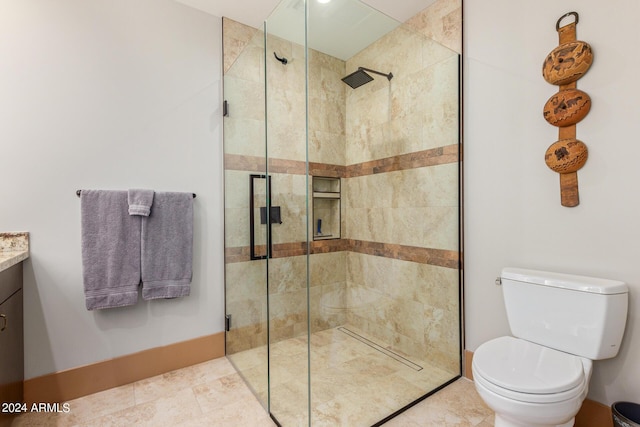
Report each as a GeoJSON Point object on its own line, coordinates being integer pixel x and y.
{"type": "Point", "coordinates": [81, 381]}
{"type": "Point", "coordinates": [468, 357]}
{"type": "Point", "coordinates": [591, 414]}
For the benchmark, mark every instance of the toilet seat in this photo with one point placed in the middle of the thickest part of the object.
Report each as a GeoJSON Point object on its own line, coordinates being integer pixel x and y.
{"type": "Point", "coordinates": [521, 370]}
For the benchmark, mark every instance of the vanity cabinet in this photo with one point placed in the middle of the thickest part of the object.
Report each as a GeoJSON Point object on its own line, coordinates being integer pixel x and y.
{"type": "Point", "coordinates": [11, 337]}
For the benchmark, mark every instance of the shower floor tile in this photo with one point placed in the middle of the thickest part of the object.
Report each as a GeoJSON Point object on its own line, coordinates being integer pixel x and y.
{"type": "Point", "coordinates": [354, 382]}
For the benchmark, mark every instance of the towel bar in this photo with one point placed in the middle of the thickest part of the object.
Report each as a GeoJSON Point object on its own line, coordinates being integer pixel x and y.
{"type": "Point", "coordinates": [80, 191]}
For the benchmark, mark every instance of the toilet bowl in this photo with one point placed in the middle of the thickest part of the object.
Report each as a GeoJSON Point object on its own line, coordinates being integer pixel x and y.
{"type": "Point", "coordinates": [529, 385]}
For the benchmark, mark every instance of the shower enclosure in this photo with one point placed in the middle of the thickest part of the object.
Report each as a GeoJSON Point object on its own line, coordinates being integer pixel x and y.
{"type": "Point", "coordinates": [342, 216]}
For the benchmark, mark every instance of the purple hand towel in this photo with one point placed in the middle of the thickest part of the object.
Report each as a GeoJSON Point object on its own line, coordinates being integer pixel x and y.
{"type": "Point", "coordinates": [167, 246]}
{"type": "Point", "coordinates": [140, 202]}
{"type": "Point", "coordinates": [110, 249]}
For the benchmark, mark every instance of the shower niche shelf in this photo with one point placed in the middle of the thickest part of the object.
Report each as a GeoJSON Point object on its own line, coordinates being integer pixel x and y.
{"type": "Point", "coordinates": [326, 207]}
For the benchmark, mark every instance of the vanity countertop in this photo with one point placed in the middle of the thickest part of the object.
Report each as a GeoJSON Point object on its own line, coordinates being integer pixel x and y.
{"type": "Point", "coordinates": [14, 247]}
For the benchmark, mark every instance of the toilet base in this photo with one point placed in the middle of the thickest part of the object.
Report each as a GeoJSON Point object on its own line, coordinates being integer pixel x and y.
{"type": "Point", "coordinates": [503, 422]}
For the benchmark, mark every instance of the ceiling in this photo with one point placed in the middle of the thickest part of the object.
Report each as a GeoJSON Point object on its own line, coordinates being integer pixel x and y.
{"type": "Point", "coordinates": [340, 28]}
{"type": "Point", "coordinates": [254, 12]}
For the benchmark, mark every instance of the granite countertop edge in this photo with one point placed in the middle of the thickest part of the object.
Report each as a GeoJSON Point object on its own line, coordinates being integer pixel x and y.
{"type": "Point", "coordinates": [14, 248]}
{"type": "Point", "coordinates": [10, 258]}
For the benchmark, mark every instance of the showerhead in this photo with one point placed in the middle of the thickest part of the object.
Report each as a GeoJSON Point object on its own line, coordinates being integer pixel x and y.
{"type": "Point", "coordinates": [360, 77]}
{"type": "Point", "coordinates": [357, 78]}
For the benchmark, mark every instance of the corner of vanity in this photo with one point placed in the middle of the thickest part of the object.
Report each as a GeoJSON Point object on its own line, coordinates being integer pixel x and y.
{"type": "Point", "coordinates": [14, 248]}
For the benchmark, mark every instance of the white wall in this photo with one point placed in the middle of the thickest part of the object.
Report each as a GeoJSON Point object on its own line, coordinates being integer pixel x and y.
{"type": "Point", "coordinates": [513, 215]}
{"type": "Point", "coordinates": [107, 94]}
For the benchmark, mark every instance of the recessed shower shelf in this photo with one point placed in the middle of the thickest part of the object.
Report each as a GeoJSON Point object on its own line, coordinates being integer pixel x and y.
{"type": "Point", "coordinates": [326, 207]}
{"type": "Point", "coordinates": [323, 237]}
{"type": "Point", "coordinates": [326, 195]}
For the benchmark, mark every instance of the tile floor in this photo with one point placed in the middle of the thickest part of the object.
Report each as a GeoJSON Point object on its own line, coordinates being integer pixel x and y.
{"type": "Point", "coordinates": [355, 382]}
{"type": "Point", "coordinates": [213, 394]}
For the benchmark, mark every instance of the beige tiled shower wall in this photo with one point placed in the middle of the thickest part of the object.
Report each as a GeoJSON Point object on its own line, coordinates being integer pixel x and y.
{"type": "Point", "coordinates": [411, 307]}
{"type": "Point", "coordinates": [442, 22]}
{"type": "Point", "coordinates": [246, 300]}
{"type": "Point", "coordinates": [327, 109]}
{"type": "Point", "coordinates": [244, 89]}
{"type": "Point", "coordinates": [244, 137]}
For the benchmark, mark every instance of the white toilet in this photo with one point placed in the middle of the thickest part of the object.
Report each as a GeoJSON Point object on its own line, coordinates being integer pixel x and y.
{"type": "Point", "coordinates": [560, 322]}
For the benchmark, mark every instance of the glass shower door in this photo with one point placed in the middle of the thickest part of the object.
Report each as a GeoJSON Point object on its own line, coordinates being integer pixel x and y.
{"type": "Point", "coordinates": [246, 198]}
{"type": "Point", "coordinates": [266, 210]}
{"type": "Point", "coordinates": [342, 212]}
{"type": "Point", "coordinates": [285, 63]}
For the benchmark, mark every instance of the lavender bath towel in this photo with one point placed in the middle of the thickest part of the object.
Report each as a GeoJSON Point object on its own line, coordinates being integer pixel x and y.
{"type": "Point", "coordinates": [167, 246]}
{"type": "Point", "coordinates": [140, 202]}
{"type": "Point", "coordinates": [110, 249]}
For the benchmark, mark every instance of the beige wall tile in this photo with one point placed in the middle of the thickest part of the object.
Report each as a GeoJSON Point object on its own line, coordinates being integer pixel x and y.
{"type": "Point", "coordinates": [245, 97]}
{"type": "Point", "coordinates": [247, 312]}
{"type": "Point", "coordinates": [246, 280]}
{"type": "Point", "coordinates": [434, 52]}
{"type": "Point", "coordinates": [328, 306]}
{"type": "Point", "coordinates": [287, 274]}
{"type": "Point", "coordinates": [289, 192]}
{"type": "Point", "coordinates": [243, 136]}
{"type": "Point", "coordinates": [326, 147]}
{"type": "Point", "coordinates": [411, 307]}
{"type": "Point", "coordinates": [236, 38]}
{"type": "Point", "coordinates": [327, 268]}
{"type": "Point", "coordinates": [442, 22]}
{"type": "Point", "coordinates": [249, 65]}
{"type": "Point", "coordinates": [423, 187]}
{"type": "Point", "coordinates": [442, 226]}
{"type": "Point", "coordinates": [237, 189]}
{"type": "Point", "coordinates": [236, 227]}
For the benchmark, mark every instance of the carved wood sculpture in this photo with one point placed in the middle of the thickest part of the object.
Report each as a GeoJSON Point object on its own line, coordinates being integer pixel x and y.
{"type": "Point", "coordinates": [563, 67]}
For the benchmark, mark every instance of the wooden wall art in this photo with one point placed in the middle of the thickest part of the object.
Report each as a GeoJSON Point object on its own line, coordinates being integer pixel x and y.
{"type": "Point", "coordinates": [563, 67]}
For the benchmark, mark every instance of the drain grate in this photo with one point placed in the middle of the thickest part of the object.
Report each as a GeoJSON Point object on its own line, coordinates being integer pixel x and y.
{"type": "Point", "coordinates": [381, 349]}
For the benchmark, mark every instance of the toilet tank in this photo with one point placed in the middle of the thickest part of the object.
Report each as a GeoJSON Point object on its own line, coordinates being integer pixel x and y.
{"type": "Point", "coordinates": [580, 315]}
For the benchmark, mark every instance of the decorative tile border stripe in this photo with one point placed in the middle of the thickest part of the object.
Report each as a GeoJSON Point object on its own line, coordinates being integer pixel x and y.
{"type": "Point", "coordinates": [243, 163]}
{"type": "Point", "coordinates": [282, 250]}
{"type": "Point", "coordinates": [327, 246]}
{"type": "Point", "coordinates": [418, 159]}
{"type": "Point", "coordinates": [439, 257]}
{"type": "Point", "coordinates": [285, 250]}
{"type": "Point", "coordinates": [256, 164]}
{"type": "Point", "coordinates": [328, 170]}
{"type": "Point", "coordinates": [294, 167]}
{"type": "Point", "coordinates": [236, 254]}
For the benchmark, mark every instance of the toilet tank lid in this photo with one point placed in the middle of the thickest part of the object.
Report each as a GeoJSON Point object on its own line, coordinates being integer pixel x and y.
{"type": "Point", "coordinates": [566, 281]}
